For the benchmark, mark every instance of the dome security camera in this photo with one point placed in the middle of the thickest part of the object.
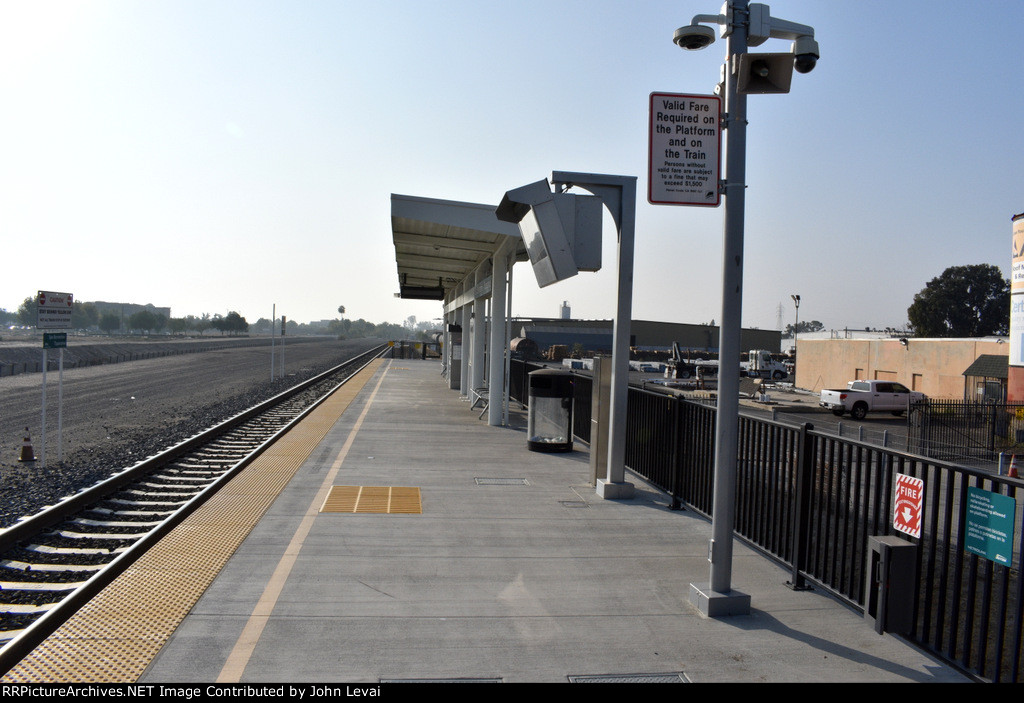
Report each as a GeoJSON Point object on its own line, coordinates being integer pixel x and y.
{"type": "Point", "coordinates": [694, 37]}
{"type": "Point", "coordinates": [805, 63]}
{"type": "Point", "coordinates": [805, 54]}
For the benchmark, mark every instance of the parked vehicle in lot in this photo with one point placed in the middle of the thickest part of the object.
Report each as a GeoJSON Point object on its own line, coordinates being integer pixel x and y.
{"type": "Point", "coordinates": [759, 364]}
{"type": "Point", "coordinates": [861, 397]}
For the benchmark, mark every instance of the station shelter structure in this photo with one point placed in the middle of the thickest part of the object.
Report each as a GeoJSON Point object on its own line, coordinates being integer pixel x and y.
{"type": "Point", "coordinates": [462, 255]}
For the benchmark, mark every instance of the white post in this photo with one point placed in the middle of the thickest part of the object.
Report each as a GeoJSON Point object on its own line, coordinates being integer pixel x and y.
{"type": "Point", "coordinates": [479, 339]}
{"type": "Point", "coordinates": [60, 406]}
{"type": "Point", "coordinates": [467, 339]}
{"type": "Point", "coordinates": [42, 454]}
{"type": "Point", "coordinates": [498, 343]}
{"type": "Point", "coordinates": [618, 193]}
{"type": "Point", "coordinates": [506, 417]}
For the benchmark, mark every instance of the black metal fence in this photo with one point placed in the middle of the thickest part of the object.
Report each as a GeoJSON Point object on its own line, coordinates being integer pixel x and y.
{"type": "Point", "coordinates": [965, 431]}
{"type": "Point", "coordinates": [811, 501]}
{"type": "Point", "coordinates": [405, 349]}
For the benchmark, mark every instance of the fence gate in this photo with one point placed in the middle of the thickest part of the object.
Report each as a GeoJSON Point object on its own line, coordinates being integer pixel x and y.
{"type": "Point", "coordinates": [965, 430]}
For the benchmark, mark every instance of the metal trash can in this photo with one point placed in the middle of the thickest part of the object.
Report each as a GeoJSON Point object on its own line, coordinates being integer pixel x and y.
{"type": "Point", "coordinates": [549, 421]}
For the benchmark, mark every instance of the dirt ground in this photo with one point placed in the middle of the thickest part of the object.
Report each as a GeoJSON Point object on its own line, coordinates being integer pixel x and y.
{"type": "Point", "coordinates": [118, 414]}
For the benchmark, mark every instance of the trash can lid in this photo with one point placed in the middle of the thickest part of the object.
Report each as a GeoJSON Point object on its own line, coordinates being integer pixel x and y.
{"type": "Point", "coordinates": [551, 372]}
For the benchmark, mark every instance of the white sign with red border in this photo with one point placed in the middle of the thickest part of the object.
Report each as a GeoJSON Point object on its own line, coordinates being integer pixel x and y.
{"type": "Point", "coordinates": [53, 310]}
{"type": "Point", "coordinates": [908, 505]}
{"type": "Point", "coordinates": [684, 150]}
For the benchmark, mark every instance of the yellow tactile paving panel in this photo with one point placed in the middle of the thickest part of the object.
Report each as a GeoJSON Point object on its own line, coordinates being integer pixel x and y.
{"type": "Point", "coordinates": [116, 635]}
{"type": "Point", "coordinates": [373, 499]}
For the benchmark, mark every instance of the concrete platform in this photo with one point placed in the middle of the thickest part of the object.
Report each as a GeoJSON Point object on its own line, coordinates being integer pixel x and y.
{"type": "Point", "coordinates": [514, 571]}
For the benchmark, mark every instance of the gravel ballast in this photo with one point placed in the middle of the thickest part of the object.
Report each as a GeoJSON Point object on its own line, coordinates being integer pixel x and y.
{"type": "Point", "coordinates": [117, 415]}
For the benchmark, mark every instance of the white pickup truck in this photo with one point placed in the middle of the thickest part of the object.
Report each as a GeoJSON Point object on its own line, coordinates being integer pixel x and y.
{"type": "Point", "coordinates": [861, 397]}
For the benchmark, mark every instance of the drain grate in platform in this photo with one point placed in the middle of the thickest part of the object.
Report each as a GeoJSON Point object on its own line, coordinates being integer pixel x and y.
{"type": "Point", "coordinates": [441, 681]}
{"type": "Point", "coordinates": [631, 678]}
{"type": "Point", "coordinates": [501, 481]}
{"type": "Point", "coordinates": [373, 499]}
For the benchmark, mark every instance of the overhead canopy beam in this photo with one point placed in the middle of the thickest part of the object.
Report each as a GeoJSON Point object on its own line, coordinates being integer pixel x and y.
{"type": "Point", "coordinates": [438, 243]}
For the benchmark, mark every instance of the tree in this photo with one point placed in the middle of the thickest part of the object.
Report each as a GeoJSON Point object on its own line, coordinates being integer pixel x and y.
{"type": "Point", "coordinates": [965, 301]}
{"type": "Point", "coordinates": [110, 323]}
{"type": "Point", "coordinates": [232, 323]}
{"type": "Point", "coordinates": [236, 324]}
{"type": "Point", "coordinates": [804, 327]}
{"type": "Point", "coordinates": [84, 315]}
{"type": "Point", "coordinates": [143, 320]}
{"type": "Point", "coordinates": [27, 312]}
{"type": "Point", "coordinates": [199, 324]}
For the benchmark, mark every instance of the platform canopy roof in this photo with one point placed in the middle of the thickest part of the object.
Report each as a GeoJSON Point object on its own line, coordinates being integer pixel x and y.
{"type": "Point", "coordinates": [440, 242]}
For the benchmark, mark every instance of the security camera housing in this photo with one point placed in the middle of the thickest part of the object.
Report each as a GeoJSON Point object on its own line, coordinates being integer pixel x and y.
{"type": "Point", "coordinates": [806, 54]}
{"type": "Point", "coordinates": [694, 37]}
{"type": "Point", "coordinates": [805, 63]}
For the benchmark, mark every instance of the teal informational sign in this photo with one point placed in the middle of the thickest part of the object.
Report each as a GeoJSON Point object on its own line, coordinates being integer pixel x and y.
{"type": "Point", "coordinates": [55, 340]}
{"type": "Point", "coordinates": [990, 522]}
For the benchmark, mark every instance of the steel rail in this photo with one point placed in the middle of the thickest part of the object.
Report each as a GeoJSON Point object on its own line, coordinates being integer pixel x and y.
{"type": "Point", "coordinates": [28, 639]}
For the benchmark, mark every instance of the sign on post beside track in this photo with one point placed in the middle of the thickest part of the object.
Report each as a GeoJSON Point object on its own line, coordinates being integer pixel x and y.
{"type": "Point", "coordinates": [55, 340]}
{"type": "Point", "coordinates": [53, 310]}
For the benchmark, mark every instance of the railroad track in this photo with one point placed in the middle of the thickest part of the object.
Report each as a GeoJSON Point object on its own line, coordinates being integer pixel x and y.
{"type": "Point", "coordinates": [55, 561]}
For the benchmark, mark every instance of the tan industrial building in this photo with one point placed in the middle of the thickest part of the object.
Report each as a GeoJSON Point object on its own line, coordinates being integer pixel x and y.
{"type": "Point", "coordinates": [940, 368]}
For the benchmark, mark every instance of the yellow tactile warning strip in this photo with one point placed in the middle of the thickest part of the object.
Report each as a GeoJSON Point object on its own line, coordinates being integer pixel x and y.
{"type": "Point", "coordinates": [373, 499]}
{"type": "Point", "coordinates": [117, 634]}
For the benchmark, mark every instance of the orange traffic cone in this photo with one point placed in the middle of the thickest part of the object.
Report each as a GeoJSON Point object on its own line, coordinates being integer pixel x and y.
{"type": "Point", "coordinates": [1012, 473]}
{"type": "Point", "coordinates": [26, 449]}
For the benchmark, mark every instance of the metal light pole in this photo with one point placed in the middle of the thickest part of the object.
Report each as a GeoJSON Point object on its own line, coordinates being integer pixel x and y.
{"type": "Point", "coordinates": [717, 597]}
{"type": "Point", "coordinates": [796, 327]}
{"type": "Point", "coordinates": [744, 24]}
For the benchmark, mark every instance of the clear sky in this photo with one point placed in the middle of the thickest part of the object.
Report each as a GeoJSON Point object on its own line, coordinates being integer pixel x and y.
{"type": "Point", "coordinates": [216, 155]}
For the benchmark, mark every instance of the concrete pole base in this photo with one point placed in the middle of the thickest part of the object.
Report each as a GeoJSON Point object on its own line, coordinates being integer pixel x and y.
{"type": "Point", "coordinates": [713, 604]}
{"type": "Point", "coordinates": [614, 490]}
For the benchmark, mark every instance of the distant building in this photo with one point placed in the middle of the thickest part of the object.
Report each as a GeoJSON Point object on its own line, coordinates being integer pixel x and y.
{"type": "Point", "coordinates": [126, 310]}
{"type": "Point", "coordinates": [596, 335]}
{"type": "Point", "coordinates": [973, 369]}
